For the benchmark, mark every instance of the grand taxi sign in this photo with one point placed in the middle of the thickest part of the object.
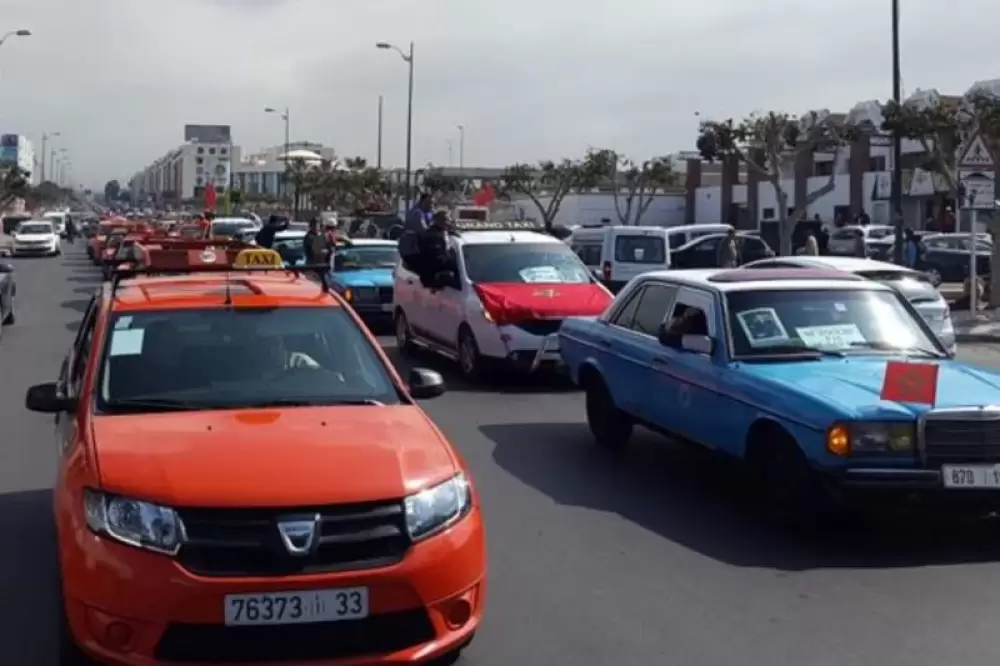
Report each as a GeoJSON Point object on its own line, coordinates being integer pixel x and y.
{"type": "Point", "coordinates": [258, 257]}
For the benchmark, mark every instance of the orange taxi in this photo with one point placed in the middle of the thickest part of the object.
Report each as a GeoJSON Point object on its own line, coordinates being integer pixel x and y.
{"type": "Point", "coordinates": [245, 478]}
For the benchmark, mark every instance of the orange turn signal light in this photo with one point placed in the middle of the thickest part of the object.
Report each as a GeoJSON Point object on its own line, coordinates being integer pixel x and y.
{"type": "Point", "coordinates": [838, 440]}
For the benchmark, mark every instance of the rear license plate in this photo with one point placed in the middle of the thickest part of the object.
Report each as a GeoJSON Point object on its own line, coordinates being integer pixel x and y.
{"type": "Point", "coordinates": [971, 476]}
{"type": "Point", "coordinates": [348, 603]}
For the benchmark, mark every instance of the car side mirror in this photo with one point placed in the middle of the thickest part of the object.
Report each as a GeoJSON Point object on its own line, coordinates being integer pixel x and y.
{"type": "Point", "coordinates": [45, 398]}
{"type": "Point", "coordinates": [425, 384]}
{"type": "Point", "coordinates": [6, 268]}
{"type": "Point", "coordinates": [698, 344]}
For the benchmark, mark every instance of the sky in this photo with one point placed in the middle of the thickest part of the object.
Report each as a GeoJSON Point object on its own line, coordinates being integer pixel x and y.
{"type": "Point", "coordinates": [529, 79]}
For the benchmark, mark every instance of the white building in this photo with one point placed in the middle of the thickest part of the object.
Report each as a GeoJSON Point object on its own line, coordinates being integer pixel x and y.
{"type": "Point", "coordinates": [261, 174]}
{"type": "Point", "coordinates": [862, 175]}
{"type": "Point", "coordinates": [184, 172]}
{"type": "Point", "coordinates": [17, 150]}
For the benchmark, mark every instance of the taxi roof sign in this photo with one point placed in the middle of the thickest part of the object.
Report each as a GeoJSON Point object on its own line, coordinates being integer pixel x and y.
{"type": "Point", "coordinates": [258, 257]}
{"type": "Point", "coordinates": [465, 224]}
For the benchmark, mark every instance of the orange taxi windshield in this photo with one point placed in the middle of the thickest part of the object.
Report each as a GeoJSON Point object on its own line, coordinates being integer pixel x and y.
{"type": "Point", "coordinates": [239, 358]}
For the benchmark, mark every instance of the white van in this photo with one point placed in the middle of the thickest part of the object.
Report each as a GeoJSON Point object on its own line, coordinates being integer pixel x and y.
{"type": "Point", "coordinates": [58, 220]}
{"type": "Point", "coordinates": [620, 253]}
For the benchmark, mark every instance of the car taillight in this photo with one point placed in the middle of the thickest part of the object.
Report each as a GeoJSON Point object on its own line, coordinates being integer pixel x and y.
{"type": "Point", "coordinates": [607, 271]}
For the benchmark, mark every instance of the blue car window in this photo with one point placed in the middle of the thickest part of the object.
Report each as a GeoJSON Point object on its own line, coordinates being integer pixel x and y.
{"type": "Point", "coordinates": [653, 308]}
{"type": "Point", "coordinates": [626, 313]}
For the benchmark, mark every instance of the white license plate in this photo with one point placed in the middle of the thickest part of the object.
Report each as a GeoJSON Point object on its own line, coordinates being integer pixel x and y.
{"type": "Point", "coordinates": [387, 307]}
{"type": "Point", "coordinates": [971, 476]}
{"type": "Point", "coordinates": [348, 603]}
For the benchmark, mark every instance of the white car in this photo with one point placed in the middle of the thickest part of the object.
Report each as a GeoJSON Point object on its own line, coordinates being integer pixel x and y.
{"type": "Point", "coordinates": [915, 286]}
{"type": "Point", "coordinates": [843, 241]}
{"type": "Point", "coordinates": [58, 220]}
{"type": "Point", "coordinates": [36, 238]}
{"type": "Point", "coordinates": [503, 305]}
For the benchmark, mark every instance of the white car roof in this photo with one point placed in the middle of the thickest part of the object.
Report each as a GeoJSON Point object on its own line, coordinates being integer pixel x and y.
{"type": "Point", "coordinates": [289, 234]}
{"type": "Point", "coordinates": [699, 278]}
{"type": "Point", "coordinates": [503, 237]}
{"type": "Point", "coordinates": [230, 220]}
{"type": "Point", "coordinates": [48, 222]}
{"type": "Point", "coordinates": [373, 242]}
{"type": "Point", "coordinates": [849, 264]}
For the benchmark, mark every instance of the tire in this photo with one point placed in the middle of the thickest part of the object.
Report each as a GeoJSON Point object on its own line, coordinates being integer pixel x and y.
{"type": "Point", "coordinates": [611, 427]}
{"type": "Point", "coordinates": [404, 337]}
{"type": "Point", "coordinates": [470, 362]}
{"type": "Point", "coordinates": [793, 497]}
{"type": "Point", "coordinates": [11, 317]}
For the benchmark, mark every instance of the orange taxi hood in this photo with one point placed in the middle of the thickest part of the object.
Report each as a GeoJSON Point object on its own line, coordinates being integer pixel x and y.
{"type": "Point", "coordinates": [255, 458]}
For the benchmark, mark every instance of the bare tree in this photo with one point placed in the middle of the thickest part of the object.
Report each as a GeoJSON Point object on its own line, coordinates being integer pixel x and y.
{"type": "Point", "coordinates": [551, 180]}
{"type": "Point", "coordinates": [945, 128]}
{"type": "Point", "coordinates": [765, 141]}
{"type": "Point", "coordinates": [634, 185]}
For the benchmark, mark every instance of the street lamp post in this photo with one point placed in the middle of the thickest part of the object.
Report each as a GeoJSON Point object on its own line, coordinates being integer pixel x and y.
{"type": "Point", "coordinates": [461, 147]}
{"type": "Point", "coordinates": [14, 33]}
{"type": "Point", "coordinates": [45, 140]}
{"type": "Point", "coordinates": [378, 153]}
{"type": "Point", "coordinates": [896, 195]}
{"type": "Point", "coordinates": [285, 116]}
{"type": "Point", "coordinates": [408, 59]}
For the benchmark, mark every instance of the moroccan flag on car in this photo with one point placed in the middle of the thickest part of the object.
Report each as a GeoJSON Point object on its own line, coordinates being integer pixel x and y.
{"type": "Point", "coordinates": [209, 197]}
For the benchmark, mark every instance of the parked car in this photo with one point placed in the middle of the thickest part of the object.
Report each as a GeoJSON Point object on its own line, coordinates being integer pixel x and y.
{"type": "Point", "coordinates": [946, 258]}
{"type": "Point", "coordinates": [703, 252]}
{"type": "Point", "coordinates": [914, 285]}
{"type": "Point", "coordinates": [8, 293]}
{"type": "Point", "coordinates": [843, 240]}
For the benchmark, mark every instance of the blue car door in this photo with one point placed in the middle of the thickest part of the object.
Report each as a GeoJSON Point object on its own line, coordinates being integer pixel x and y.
{"type": "Point", "coordinates": [635, 345]}
{"type": "Point", "coordinates": [687, 397]}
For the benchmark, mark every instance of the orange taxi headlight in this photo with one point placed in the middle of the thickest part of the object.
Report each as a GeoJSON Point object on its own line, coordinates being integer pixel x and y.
{"type": "Point", "coordinates": [838, 440]}
{"type": "Point", "coordinates": [348, 295]}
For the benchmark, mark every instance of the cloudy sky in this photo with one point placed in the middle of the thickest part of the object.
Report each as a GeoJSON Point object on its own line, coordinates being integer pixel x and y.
{"type": "Point", "coordinates": [530, 79]}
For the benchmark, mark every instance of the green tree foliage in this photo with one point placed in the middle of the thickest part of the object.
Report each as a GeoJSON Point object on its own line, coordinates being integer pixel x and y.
{"type": "Point", "coordinates": [633, 184]}
{"type": "Point", "coordinates": [112, 189]}
{"type": "Point", "coordinates": [770, 143]}
{"type": "Point", "coordinates": [547, 184]}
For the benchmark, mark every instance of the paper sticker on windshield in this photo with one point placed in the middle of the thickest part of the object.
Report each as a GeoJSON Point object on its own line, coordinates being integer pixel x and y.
{"type": "Point", "coordinates": [762, 327]}
{"type": "Point", "coordinates": [127, 343]}
{"type": "Point", "coordinates": [839, 336]}
{"type": "Point", "coordinates": [540, 274]}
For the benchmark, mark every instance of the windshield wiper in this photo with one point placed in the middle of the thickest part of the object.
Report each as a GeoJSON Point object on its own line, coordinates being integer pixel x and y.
{"type": "Point", "coordinates": [156, 404]}
{"type": "Point", "coordinates": [780, 352]}
{"type": "Point", "coordinates": [884, 346]}
{"type": "Point", "coordinates": [318, 402]}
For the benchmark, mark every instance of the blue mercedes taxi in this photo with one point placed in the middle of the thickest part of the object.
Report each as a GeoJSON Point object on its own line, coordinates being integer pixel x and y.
{"type": "Point", "coordinates": [786, 369]}
{"type": "Point", "coordinates": [361, 270]}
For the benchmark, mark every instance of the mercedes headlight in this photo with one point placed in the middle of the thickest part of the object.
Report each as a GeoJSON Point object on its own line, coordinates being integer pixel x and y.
{"type": "Point", "coordinates": [872, 438]}
{"type": "Point", "coordinates": [435, 508]}
{"type": "Point", "coordinates": [134, 522]}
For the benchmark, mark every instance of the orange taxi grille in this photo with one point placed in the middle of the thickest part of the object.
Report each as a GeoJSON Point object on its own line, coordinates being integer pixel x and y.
{"type": "Point", "coordinates": [247, 542]}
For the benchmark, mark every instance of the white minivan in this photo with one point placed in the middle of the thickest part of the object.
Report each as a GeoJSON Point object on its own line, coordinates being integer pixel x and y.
{"type": "Point", "coordinates": [620, 253]}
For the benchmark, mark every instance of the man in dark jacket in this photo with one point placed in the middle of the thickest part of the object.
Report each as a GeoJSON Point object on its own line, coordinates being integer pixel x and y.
{"type": "Point", "coordinates": [417, 221]}
{"type": "Point", "coordinates": [314, 244]}
{"type": "Point", "coordinates": [265, 237]}
{"type": "Point", "coordinates": [437, 260]}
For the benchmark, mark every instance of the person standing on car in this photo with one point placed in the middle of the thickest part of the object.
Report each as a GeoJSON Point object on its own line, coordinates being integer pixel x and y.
{"type": "Point", "coordinates": [728, 254]}
{"type": "Point", "coordinates": [265, 237]}
{"type": "Point", "coordinates": [314, 244]}
{"type": "Point", "coordinates": [417, 221]}
{"type": "Point", "coordinates": [860, 245]}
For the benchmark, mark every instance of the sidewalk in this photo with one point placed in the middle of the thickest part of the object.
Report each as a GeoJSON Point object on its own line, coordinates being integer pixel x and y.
{"type": "Point", "coordinates": [983, 327]}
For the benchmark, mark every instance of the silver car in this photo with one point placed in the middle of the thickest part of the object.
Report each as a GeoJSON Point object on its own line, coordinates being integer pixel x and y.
{"type": "Point", "coordinates": [843, 241]}
{"type": "Point", "coordinates": [914, 285]}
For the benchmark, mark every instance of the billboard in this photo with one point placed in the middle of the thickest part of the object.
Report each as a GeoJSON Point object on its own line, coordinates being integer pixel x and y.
{"type": "Point", "coordinates": [8, 149]}
{"type": "Point", "coordinates": [208, 133]}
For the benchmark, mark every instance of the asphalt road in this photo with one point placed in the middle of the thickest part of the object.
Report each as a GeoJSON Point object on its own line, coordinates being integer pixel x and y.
{"type": "Point", "coordinates": [653, 558]}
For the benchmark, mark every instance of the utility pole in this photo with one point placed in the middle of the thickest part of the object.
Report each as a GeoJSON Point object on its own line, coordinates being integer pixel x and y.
{"type": "Point", "coordinates": [378, 155]}
{"type": "Point", "coordinates": [896, 197]}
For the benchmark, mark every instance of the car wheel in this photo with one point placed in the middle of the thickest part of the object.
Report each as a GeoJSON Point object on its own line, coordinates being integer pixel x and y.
{"type": "Point", "coordinates": [404, 338]}
{"type": "Point", "coordinates": [935, 276]}
{"type": "Point", "coordinates": [611, 427]}
{"type": "Point", "coordinates": [469, 360]}
{"type": "Point", "coordinates": [11, 317]}
{"type": "Point", "coordinates": [793, 497]}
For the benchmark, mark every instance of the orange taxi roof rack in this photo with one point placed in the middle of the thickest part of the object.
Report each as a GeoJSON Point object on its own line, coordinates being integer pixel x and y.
{"type": "Point", "coordinates": [191, 257]}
